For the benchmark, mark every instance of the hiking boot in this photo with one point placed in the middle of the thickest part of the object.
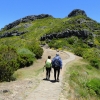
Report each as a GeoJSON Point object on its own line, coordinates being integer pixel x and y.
{"type": "Point", "coordinates": [46, 79]}
{"type": "Point", "coordinates": [57, 80]}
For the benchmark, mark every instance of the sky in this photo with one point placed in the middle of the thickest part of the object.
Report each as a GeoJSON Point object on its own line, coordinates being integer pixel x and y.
{"type": "Point", "coordinates": [11, 10]}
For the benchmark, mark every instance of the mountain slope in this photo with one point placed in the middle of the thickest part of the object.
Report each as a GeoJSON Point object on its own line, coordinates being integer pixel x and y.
{"type": "Point", "coordinates": [37, 26]}
{"type": "Point", "coordinates": [77, 33]}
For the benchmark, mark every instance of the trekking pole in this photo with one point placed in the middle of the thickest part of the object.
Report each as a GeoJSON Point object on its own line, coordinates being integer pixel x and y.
{"type": "Point", "coordinates": [43, 68]}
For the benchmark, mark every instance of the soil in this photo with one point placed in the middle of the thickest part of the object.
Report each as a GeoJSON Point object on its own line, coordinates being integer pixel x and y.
{"type": "Point", "coordinates": [37, 88]}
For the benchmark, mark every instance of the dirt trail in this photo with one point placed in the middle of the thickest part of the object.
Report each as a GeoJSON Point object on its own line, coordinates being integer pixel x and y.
{"type": "Point", "coordinates": [37, 88]}
{"type": "Point", "coordinates": [49, 90]}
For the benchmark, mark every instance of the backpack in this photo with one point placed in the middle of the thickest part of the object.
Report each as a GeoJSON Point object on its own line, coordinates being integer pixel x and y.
{"type": "Point", "coordinates": [48, 63]}
{"type": "Point", "coordinates": [56, 63]}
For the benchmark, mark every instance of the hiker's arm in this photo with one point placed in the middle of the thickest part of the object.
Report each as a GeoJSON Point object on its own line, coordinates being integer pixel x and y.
{"type": "Point", "coordinates": [53, 60]}
{"type": "Point", "coordinates": [60, 64]}
{"type": "Point", "coordinates": [52, 63]}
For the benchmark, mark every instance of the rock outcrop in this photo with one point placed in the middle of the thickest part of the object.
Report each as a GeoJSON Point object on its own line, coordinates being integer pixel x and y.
{"type": "Point", "coordinates": [13, 33]}
{"type": "Point", "coordinates": [77, 12]}
{"type": "Point", "coordinates": [68, 33]}
{"type": "Point", "coordinates": [26, 19]}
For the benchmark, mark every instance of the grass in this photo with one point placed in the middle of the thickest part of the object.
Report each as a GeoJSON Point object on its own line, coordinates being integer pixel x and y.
{"type": "Point", "coordinates": [80, 72]}
{"type": "Point", "coordinates": [28, 72]}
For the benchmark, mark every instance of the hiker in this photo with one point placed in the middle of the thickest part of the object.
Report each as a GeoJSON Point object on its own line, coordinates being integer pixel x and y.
{"type": "Point", "coordinates": [48, 67]}
{"type": "Point", "coordinates": [57, 65]}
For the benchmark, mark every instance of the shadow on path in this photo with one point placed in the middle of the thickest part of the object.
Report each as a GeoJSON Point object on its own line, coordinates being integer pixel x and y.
{"type": "Point", "coordinates": [52, 81]}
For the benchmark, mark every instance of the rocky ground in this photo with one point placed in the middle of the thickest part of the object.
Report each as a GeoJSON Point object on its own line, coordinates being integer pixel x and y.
{"type": "Point", "coordinates": [36, 88]}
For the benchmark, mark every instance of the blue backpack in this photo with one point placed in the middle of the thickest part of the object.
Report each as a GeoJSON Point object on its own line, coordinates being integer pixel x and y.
{"type": "Point", "coordinates": [56, 63]}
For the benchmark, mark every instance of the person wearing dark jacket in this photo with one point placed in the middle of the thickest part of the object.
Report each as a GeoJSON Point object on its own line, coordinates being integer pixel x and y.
{"type": "Point", "coordinates": [57, 65]}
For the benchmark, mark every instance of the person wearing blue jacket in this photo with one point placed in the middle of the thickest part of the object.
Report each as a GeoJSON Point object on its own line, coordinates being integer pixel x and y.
{"type": "Point", "coordinates": [57, 65]}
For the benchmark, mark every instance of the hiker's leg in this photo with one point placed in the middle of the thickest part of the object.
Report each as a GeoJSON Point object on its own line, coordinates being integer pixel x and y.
{"type": "Point", "coordinates": [46, 73]}
{"type": "Point", "coordinates": [58, 74]}
{"type": "Point", "coordinates": [55, 74]}
{"type": "Point", "coordinates": [49, 73]}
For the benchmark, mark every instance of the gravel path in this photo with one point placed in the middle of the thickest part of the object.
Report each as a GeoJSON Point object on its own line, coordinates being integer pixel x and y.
{"type": "Point", "coordinates": [50, 90]}
{"type": "Point", "coordinates": [37, 88]}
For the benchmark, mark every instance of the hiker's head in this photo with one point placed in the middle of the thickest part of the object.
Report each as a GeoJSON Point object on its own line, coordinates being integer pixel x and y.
{"type": "Point", "coordinates": [49, 57]}
{"type": "Point", "coordinates": [57, 54]}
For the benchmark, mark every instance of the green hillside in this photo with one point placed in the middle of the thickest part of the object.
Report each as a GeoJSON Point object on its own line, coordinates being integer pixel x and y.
{"type": "Point", "coordinates": [20, 40]}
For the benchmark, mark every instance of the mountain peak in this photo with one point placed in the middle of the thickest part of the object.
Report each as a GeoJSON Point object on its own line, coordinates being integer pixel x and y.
{"type": "Point", "coordinates": [76, 12]}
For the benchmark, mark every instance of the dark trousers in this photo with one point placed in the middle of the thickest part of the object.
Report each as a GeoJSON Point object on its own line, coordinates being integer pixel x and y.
{"type": "Point", "coordinates": [48, 70]}
{"type": "Point", "coordinates": [56, 73]}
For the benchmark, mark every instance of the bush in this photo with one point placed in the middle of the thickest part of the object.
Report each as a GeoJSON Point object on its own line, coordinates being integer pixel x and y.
{"type": "Point", "coordinates": [8, 62]}
{"type": "Point", "coordinates": [38, 51]}
{"type": "Point", "coordinates": [88, 54]}
{"type": "Point", "coordinates": [94, 86]}
{"type": "Point", "coordinates": [79, 51]}
{"type": "Point", "coordinates": [72, 39]}
{"type": "Point", "coordinates": [74, 75]}
{"type": "Point", "coordinates": [26, 57]}
{"type": "Point", "coordinates": [89, 67]}
{"type": "Point", "coordinates": [54, 44]}
{"type": "Point", "coordinates": [95, 63]}
{"type": "Point", "coordinates": [34, 47]}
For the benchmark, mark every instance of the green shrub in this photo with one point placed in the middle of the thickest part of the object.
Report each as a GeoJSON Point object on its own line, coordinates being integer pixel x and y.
{"type": "Point", "coordinates": [79, 51]}
{"type": "Point", "coordinates": [94, 86]}
{"type": "Point", "coordinates": [8, 62]}
{"type": "Point", "coordinates": [95, 63]}
{"type": "Point", "coordinates": [26, 57]}
{"type": "Point", "coordinates": [89, 67]}
{"type": "Point", "coordinates": [53, 44]}
{"type": "Point", "coordinates": [59, 43]}
{"type": "Point", "coordinates": [34, 47]}
{"type": "Point", "coordinates": [74, 75]}
{"type": "Point", "coordinates": [91, 53]}
{"type": "Point", "coordinates": [38, 51]}
{"type": "Point", "coordinates": [88, 54]}
{"type": "Point", "coordinates": [72, 39]}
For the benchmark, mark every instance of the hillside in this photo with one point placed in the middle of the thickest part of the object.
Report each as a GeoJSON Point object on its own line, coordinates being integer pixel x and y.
{"type": "Point", "coordinates": [26, 35]}
{"type": "Point", "coordinates": [21, 46]}
{"type": "Point", "coordinates": [77, 23]}
{"type": "Point", "coordinates": [45, 26]}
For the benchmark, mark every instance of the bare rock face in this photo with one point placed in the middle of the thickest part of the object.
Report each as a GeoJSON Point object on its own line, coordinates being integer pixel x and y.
{"type": "Point", "coordinates": [26, 19]}
{"type": "Point", "coordinates": [76, 12]}
{"type": "Point", "coordinates": [13, 33]}
{"type": "Point", "coordinates": [68, 33]}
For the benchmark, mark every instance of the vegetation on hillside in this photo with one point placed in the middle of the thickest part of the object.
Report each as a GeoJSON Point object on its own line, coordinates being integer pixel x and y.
{"type": "Point", "coordinates": [21, 51]}
{"type": "Point", "coordinates": [84, 81]}
{"type": "Point", "coordinates": [25, 52]}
